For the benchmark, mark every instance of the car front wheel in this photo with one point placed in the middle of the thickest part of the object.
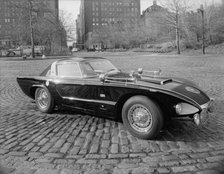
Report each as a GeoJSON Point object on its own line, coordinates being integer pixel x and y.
{"type": "Point", "coordinates": [142, 117]}
{"type": "Point", "coordinates": [44, 100]}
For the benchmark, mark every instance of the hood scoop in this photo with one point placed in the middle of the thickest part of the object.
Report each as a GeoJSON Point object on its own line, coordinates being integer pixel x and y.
{"type": "Point", "coordinates": [158, 81]}
{"type": "Point", "coordinates": [152, 77]}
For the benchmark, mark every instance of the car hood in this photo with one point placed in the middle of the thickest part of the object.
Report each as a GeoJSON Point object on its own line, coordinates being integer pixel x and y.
{"type": "Point", "coordinates": [178, 87]}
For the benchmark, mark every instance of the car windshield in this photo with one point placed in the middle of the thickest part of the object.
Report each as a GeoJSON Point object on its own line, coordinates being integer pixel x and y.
{"type": "Point", "coordinates": [95, 67]}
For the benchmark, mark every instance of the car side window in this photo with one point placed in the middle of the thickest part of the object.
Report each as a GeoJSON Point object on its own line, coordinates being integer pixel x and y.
{"type": "Point", "coordinates": [68, 70]}
{"type": "Point", "coordinates": [88, 70]}
{"type": "Point", "coordinates": [46, 72]}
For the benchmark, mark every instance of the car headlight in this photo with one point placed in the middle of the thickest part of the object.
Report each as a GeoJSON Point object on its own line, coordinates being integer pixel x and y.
{"type": "Point", "coordinates": [193, 90]}
{"type": "Point", "coordinates": [185, 109]}
{"type": "Point", "coordinates": [178, 108]}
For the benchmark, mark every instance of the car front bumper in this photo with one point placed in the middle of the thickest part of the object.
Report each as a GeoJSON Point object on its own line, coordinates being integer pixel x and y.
{"type": "Point", "coordinates": [202, 117]}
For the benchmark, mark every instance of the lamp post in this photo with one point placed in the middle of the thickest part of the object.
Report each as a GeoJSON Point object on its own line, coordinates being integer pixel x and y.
{"type": "Point", "coordinates": [31, 28]}
{"type": "Point", "coordinates": [201, 10]}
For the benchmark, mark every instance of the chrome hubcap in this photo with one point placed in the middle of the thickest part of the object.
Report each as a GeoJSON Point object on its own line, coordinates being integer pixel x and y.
{"type": "Point", "coordinates": [42, 98]}
{"type": "Point", "coordinates": [140, 118]}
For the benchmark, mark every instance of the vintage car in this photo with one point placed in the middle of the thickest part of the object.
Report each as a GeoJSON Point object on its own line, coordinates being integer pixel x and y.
{"type": "Point", "coordinates": [25, 50]}
{"type": "Point", "coordinates": [143, 100]}
{"type": "Point", "coordinates": [13, 52]}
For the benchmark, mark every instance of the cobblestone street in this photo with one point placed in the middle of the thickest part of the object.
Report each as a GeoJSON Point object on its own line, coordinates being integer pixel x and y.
{"type": "Point", "coordinates": [67, 142]}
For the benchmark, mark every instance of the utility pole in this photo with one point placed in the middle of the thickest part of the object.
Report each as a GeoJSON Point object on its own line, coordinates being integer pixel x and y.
{"type": "Point", "coordinates": [31, 28]}
{"type": "Point", "coordinates": [177, 31]}
{"type": "Point", "coordinates": [201, 10]}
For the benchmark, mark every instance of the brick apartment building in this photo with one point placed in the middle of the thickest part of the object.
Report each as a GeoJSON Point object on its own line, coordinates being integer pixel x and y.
{"type": "Point", "coordinates": [153, 20]}
{"type": "Point", "coordinates": [12, 10]}
{"type": "Point", "coordinates": [98, 14]}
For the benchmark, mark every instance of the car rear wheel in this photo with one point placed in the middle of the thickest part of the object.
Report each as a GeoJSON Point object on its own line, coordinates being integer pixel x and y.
{"type": "Point", "coordinates": [11, 54]}
{"type": "Point", "coordinates": [142, 117]}
{"type": "Point", "coordinates": [44, 100]}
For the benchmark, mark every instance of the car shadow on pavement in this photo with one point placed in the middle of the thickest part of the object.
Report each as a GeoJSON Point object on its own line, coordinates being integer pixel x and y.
{"type": "Point", "coordinates": [175, 130]}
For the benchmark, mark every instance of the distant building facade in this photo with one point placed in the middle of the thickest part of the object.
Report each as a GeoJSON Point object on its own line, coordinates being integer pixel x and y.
{"type": "Point", "coordinates": [98, 14]}
{"type": "Point", "coordinates": [12, 10]}
{"type": "Point", "coordinates": [152, 18]}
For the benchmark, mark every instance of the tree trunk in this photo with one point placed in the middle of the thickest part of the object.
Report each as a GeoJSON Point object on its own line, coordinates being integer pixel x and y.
{"type": "Point", "coordinates": [197, 37]}
{"type": "Point", "coordinates": [31, 29]}
{"type": "Point", "coordinates": [177, 33]}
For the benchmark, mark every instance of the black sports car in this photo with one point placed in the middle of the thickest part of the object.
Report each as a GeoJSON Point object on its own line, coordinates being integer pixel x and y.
{"type": "Point", "coordinates": [143, 99]}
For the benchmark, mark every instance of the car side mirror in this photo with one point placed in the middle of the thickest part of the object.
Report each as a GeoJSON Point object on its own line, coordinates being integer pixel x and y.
{"type": "Point", "coordinates": [140, 70]}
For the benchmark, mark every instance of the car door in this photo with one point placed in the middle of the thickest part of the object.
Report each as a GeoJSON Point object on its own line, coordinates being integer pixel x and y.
{"type": "Point", "coordinates": [99, 99]}
{"type": "Point", "coordinates": [71, 86]}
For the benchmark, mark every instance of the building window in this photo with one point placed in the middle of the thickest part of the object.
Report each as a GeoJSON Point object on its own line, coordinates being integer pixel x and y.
{"type": "Point", "coordinates": [6, 20]}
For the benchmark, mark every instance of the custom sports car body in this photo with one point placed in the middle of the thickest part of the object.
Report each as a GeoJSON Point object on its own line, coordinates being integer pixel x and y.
{"type": "Point", "coordinates": [143, 99]}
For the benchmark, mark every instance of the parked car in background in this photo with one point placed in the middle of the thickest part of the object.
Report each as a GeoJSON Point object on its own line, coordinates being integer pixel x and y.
{"type": "Point", "coordinates": [14, 52]}
{"type": "Point", "coordinates": [75, 49]}
{"type": "Point", "coordinates": [144, 100]}
{"type": "Point", "coordinates": [26, 51]}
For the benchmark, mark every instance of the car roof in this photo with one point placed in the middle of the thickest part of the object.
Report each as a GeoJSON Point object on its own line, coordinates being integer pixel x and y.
{"type": "Point", "coordinates": [78, 59]}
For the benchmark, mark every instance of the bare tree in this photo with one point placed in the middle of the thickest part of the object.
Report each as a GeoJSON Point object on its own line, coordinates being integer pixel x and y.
{"type": "Point", "coordinates": [38, 24]}
{"type": "Point", "coordinates": [31, 9]}
{"type": "Point", "coordinates": [214, 16]}
{"type": "Point", "coordinates": [28, 7]}
{"type": "Point", "coordinates": [172, 17]}
{"type": "Point", "coordinates": [67, 23]}
{"type": "Point", "coordinates": [192, 27]}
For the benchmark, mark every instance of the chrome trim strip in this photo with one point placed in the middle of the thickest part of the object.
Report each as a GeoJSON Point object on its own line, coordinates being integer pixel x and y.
{"type": "Point", "coordinates": [88, 100]}
{"type": "Point", "coordinates": [38, 85]}
{"type": "Point", "coordinates": [119, 78]}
